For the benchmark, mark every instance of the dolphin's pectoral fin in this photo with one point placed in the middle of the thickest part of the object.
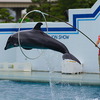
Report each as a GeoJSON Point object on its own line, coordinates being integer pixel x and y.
{"type": "Point", "coordinates": [27, 48]}
{"type": "Point", "coordinates": [70, 56]}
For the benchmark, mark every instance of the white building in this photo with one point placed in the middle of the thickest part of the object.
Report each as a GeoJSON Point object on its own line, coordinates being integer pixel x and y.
{"type": "Point", "coordinates": [86, 20]}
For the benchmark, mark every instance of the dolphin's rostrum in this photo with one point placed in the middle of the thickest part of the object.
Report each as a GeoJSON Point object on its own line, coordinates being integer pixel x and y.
{"type": "Point", "coordinates": [36, 38]}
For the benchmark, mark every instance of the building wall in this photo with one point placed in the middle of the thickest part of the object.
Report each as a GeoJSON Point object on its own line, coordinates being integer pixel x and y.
{"type": "Point", "coordinates": [86, 20]}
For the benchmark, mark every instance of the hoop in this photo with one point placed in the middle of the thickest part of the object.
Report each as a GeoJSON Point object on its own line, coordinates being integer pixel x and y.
{"type": "Point", "coordinates": [43, 14]}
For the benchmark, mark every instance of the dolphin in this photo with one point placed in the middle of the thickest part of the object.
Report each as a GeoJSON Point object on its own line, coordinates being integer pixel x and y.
{"type": "Point", "coordinates": [36, 38]}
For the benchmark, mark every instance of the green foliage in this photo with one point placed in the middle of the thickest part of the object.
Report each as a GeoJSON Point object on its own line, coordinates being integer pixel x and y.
{"type": "Point", "coordinates": [56, 8]}
{"type": "Point", "coordinates": [44, 6]}
{"type": "Point", "coordinates": [5, 15]}
{"type": "Point", "coordinates": [70, 4]}
{"type": "Point", "coordinates": [85, 3]}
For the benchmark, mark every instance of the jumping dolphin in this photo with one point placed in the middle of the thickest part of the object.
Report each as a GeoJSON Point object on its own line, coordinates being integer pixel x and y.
{"type": "Point", "coordinates": [36, 38]}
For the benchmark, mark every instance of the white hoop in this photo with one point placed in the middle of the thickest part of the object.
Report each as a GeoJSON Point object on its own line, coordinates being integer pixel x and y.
{"type": "Point", "coordinates": [43, 14]}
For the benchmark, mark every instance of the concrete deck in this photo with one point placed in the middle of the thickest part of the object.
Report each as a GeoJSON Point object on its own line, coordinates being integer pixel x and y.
{"type": "Point", "coordinates": [84, 79]}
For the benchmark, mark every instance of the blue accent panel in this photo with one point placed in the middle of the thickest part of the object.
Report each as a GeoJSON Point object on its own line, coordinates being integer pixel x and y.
{"type": "Point", "coordinates": [58, 29]}
{"type": "Point", "coordinates": [12, 29]}
{"type": "Point", "coordinates": [62, 33]}
{"type": "Point", "coordinates": [6, 33]}
{"type": "Point", "coordinates": [76, 16]}
{"type": "Point", "coordinates": [48, 33]}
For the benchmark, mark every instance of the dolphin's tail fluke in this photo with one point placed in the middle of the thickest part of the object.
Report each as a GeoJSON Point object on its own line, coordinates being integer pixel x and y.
{"type": "Point", "coordinates": [70, 56]}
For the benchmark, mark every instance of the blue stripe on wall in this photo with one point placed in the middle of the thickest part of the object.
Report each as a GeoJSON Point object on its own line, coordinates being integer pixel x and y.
{"type": "Point", "coordinates": [43, 29]}
{"type": "Point", "coordinates": [76, 16]}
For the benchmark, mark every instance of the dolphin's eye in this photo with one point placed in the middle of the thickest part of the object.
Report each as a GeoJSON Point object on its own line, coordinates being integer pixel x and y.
{"type": "Point", "coordinates": [15, 44]}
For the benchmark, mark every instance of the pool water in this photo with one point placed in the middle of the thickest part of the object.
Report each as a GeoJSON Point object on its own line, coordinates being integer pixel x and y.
{"type": "Point", "coordinates": [14, 90]}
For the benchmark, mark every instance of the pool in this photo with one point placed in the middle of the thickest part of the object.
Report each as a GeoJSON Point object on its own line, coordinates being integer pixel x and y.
{"type": "Point", "coordinates": [17, 90]}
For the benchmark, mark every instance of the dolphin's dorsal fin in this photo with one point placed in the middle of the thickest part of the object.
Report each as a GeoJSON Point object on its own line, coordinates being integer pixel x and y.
{"type": "Point", "coordinates": [38, 26]}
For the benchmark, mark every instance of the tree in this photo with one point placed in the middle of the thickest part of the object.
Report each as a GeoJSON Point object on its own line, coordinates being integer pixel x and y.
{"type": "Point", "coordinates": [44, 6]}
{"type": "Point", "coordinates": [64, 5]}
{"type": "Point", "coordinates": [5, 15]}
{"type": "Point", "coordinates": [57, 8]}
{"type": "Point", "coordinates": [85, 3]}
{"type": "Point", "coordinates": [72, 4]}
